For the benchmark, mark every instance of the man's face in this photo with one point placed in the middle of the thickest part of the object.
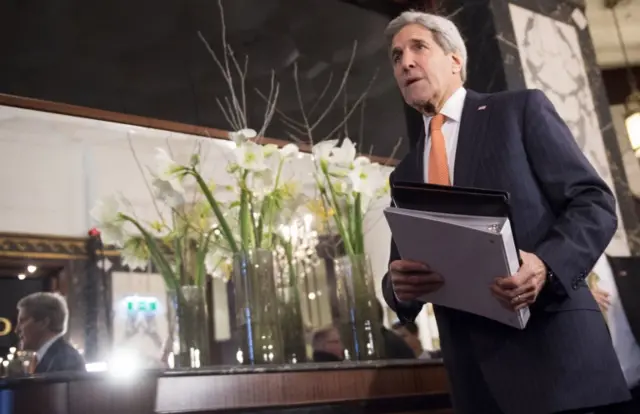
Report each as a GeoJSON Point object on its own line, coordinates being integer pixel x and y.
{"type": "Point", "coordinates": [30, 331]}
{"type": "Point", "coordinates": [423, 70]}
{"type": "Point", "coordinates": [333, 344]}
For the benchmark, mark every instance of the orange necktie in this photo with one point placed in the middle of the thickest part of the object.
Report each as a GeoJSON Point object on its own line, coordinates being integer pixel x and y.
{"type": "Point", "coordinates": [438, 166]}
{"type": "Point", "coordinates": [33, 364]}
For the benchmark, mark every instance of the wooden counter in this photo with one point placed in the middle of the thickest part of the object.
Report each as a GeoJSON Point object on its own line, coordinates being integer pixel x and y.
{"type": "Point", "coordinates": [376, 387]}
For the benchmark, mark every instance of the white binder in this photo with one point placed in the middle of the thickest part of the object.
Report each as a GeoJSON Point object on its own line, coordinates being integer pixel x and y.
{"type": "Point", "coordinates": [468, 251]}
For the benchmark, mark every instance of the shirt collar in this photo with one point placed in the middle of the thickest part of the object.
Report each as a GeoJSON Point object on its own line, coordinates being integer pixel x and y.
{"type": "Point", "coordinates": [45, 347]}
{"type": "Point", "coordinates": [452, 109]}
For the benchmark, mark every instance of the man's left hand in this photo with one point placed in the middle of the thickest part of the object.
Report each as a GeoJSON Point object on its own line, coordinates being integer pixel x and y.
{"type": "Point", "coordinates": [521, 289]}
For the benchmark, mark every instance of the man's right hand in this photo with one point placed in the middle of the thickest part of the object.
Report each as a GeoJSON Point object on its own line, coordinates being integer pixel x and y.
{"type": "Point", "coordinates": [411, 280]}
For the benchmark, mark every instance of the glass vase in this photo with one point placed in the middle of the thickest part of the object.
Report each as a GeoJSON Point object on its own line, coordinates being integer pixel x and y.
{"type": "Point", "coordinates": [360, 315]}
{"type": "Point", "coordinates": [256, 308]}
{"type": "Point", "coordinates": [291, 322]}
{"type": "Point", "coordinates": [191, 327]}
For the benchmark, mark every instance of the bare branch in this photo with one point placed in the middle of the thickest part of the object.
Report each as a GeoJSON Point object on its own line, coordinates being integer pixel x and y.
{"type": "Point", "coordinates": [322, 94]}
{"type": "Point", "coordinates": [292, 126]}
{"type": "Point", "coordinates": [361, 126]}
{"type": "Point", "coordinates": [294, 137]}
{"type": "Point", "coordinates": [302, 111]}
{"type": "Point", "coordinates": [240, 107]}
{"type": "Point", "coordinates": [298, 124]}
{"type": "Point", "coordinates": [227, 116]}
{"type": "Point", "coordinates": [146, 182]}
{"type": "Point", "coordinates": [274, 91]}
{"type": "Point", "coordinates": [393, 153]}
{"type": "Point", "coordinates": [342, 84]}
{"type": "Point", "coordinates": [362, 96]}
{"type": "Point", "coordinates": [243, 76]}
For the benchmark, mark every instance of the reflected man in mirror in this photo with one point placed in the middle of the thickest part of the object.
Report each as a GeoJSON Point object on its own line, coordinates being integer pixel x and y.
{"type": "Point", "coordinates": [42, 323]}
{"type": "Point", "coordinates": [327, 345]}
{"type": "Point", "coordinates": [563, 216]}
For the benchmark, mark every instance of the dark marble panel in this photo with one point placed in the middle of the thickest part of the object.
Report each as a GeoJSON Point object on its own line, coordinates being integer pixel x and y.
{"type": "Point", "coordinates": [495, 64]}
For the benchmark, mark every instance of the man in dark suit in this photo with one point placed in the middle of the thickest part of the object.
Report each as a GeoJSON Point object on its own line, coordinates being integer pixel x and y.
{"type": "Point", "coordinates": [563, 215]}
{"type": "Point", "coordinates": [42, 322]}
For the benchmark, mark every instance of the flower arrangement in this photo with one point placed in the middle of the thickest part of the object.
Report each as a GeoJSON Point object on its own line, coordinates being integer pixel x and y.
{"type": "Point", "coordinates": [208, 224]}
{"type": "Point", "coordinates": [348, 185]}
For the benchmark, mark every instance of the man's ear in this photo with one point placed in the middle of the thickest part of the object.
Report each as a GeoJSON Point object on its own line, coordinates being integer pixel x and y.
{"type": "Point", "coordinates": [457, 63]}
{"type": "Point", "coordinates": [44, 323]}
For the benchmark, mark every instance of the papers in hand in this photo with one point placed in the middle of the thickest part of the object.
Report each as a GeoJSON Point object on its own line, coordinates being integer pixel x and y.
{"type": "Point", "coordinates": [468, 251]}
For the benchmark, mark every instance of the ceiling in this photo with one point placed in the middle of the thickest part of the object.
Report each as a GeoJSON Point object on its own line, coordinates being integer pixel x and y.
{"type": "Point", "coordinates": [603, 32]}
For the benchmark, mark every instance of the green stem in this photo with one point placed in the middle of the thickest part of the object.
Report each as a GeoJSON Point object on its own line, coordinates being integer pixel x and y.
{"type": "Point", "coordinates": [246, 233]}
{"type": "Point", "coordinates": [157, 256]}
{"type": "Point", "coordinates": [358, 219]}
{"type": "Point", "coordinates": [338, 214]}
{"type": "Point", "coordinates": [224, 226]}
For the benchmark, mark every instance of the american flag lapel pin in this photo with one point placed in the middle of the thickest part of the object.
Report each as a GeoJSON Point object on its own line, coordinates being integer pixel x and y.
{"type": "Point", "coordinates": [482, 108]}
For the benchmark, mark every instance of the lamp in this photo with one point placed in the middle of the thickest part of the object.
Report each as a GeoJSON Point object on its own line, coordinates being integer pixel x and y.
{"type": "Point", "coordinates": [632, 104]}
{"type": "Point", "coordinates": [632, 121]}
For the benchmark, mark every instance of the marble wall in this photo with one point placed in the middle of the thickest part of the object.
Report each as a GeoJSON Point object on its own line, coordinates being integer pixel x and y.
{"type": "Point", "coordinates": [545, 44]}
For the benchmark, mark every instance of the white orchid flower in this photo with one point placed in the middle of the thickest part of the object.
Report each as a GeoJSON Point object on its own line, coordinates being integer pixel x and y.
{"type": "Point", "coordinates": [168, 170]}
{"type": "Point", "coordinates": [242, 136]}
{"type": "Point", "coordinates": [322, 150]}
{"type": "Point", "coordinates": [106, 213]}
{"type": "Point", "coordinates": [250, 156]}
{"type": "Point", "coordinates": [135, 254]}
{"type": "Point", "coordinates": [367, 179]}
{"type": "Point", "coordinates": [343, 155]}
{"type": "Point", "coordinates": [269, 150]}
{"type": "Point", "coordinates": [289, 151]}
{"type": "Point", "coordinates": [165, 192]}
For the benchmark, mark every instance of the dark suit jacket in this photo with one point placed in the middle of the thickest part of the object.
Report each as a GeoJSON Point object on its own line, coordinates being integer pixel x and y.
{"type": "Point", "coordinates": [564, 213]}
{"type": "Point", "coordinates": [60, 356]}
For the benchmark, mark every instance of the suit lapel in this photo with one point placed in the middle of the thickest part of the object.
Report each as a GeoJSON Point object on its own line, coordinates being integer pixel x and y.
{"type": "Point", "coordinates": [473, 126]}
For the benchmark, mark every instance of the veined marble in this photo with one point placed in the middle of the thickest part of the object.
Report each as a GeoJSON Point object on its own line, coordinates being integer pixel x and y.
{"type": "Point", "coordinates": [552, 61]}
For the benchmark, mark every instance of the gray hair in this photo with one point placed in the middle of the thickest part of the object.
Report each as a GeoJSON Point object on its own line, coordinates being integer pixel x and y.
{"type": "Point", "coordinates": [445, 33]}
{"type": "Point", "coordinates": [45, 305]}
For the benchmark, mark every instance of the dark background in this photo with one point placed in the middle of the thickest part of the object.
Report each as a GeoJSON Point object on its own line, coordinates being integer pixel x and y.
{"type": "Point", "coordinates": [145, 58]}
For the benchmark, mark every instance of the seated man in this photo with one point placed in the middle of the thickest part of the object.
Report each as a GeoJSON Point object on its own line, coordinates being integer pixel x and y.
{"type": "Point", "coordinates": [327, 345]}
{"type": "Point", "coordinates": [411, 334]}
{"type": "Point", "coordinates": [42, 323]}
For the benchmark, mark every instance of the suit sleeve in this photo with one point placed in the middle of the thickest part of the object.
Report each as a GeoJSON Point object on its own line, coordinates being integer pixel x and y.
{"type": "Point", "coordinates": [584, 205]}
{"type": "Point", "coordinates": [405, 311]}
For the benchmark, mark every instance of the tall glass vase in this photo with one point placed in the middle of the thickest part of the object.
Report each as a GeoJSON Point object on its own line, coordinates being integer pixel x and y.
{"type": "Point", "coordinates": [189, 317]}
{"type": "Point", "coordinates": [256, 307]}
{"type": "Point", "coordinates": [291, 322]}
{"type": "Point", "coordinates": [360, 315]}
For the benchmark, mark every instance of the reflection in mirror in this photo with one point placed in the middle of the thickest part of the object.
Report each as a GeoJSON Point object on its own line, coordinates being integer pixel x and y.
{"type": "Point", "coordinates": [206, 251]}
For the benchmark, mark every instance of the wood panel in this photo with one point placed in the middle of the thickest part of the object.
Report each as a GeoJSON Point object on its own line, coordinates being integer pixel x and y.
{"type": "Point", "coordinates": [39, 398]}
{"type": "Point", "coordinates": [371, 388]}
{"type": "Point", "coordinates": [113, 396]}
{"type": "Point", "coordinates": [212, 393]}
{"type": "Point", "coordinates": [98, 114]}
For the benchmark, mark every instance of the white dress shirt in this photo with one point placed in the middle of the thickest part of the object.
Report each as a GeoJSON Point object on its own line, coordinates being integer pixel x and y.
{"type": "Point", "coordinates": [40, 353]}
{"type": "Point", "coordinates": [624, 342]}
{"type": "Point", "coordinates": [452, 110]}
